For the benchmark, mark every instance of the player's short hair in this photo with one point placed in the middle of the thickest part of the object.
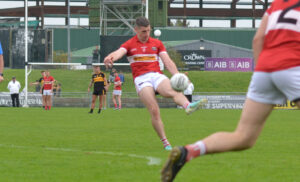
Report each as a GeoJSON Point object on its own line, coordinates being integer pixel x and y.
{"type": "Point", "coordinates": [42, 71]}
{"type": "Point", "coordinates": [142, 22]}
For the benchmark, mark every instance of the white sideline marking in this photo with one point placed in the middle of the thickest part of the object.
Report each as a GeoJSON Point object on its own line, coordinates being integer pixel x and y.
{"type": "Point", "coordinates": [151, 160]}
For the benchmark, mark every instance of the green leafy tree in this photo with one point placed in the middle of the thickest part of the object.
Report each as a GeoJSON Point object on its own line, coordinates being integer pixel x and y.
{"type": "Point", "coordinates": [176, 57]}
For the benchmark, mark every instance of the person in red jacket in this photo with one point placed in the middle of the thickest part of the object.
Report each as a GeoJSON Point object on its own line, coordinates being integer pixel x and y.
{"type": "Point", "coordinates": [48, 89]}
{"type": "Point", "coordinates": [117, 92]}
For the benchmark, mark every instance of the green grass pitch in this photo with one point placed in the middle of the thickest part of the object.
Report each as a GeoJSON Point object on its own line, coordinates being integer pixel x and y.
{"type": "Point", "coordinates": [69, 145]}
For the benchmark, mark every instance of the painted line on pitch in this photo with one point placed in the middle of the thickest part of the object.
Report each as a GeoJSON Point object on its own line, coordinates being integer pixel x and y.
{"type": "Point", "coordinates": [151, 160]}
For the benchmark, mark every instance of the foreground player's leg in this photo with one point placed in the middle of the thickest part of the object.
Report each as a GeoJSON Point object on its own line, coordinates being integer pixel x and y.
{"type": "Point", "coordinates": [165, 90]}
{"type": "Point", "coordinates": [251, 123]}
{"type": "Point", "coordinates": [147, 95]}
{"type": "Point", "coordinates": [94, 97]}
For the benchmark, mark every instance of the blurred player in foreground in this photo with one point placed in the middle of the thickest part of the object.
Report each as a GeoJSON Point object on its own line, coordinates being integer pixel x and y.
{"type": "Point", "coordinates": [99, 81]}
{"type": "Point", "coordinates": [143, 53]}
{"type": "Point", "coordinates": [47, 88]}
{"type": "Point", "coordinates": [276, 49]}
{"type": "Point", "coordinates": [117, 92]}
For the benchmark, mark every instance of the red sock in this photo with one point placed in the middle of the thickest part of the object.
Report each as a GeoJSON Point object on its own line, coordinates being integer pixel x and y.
{"type": "Point", "coordinates": [46, 107]}
{"type": "Point", "coordinates": [49, 107]}
{"type": "Point", "coordinates": [120, 107]}
{"type": "Point", "coordinates": [116, 106]}
{"type": "Point", "coordinates": [195, 150]}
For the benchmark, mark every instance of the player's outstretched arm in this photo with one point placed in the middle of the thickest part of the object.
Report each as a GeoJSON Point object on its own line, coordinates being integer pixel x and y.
{"type": "Point", "coordinates": [34, 83]}
{"type": "Point", "coordinates": [114, 56]}
{"type": "Point", "coordinates": [168, 62]}
{"type": "Point", "coordinates": [258, 40]}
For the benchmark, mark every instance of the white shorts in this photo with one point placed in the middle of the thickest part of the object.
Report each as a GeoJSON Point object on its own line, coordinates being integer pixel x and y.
{"type": "Point", "coordinates": [47, 92]}
{"type": "Point", "coordinates": [275, 87]}
{"type": "Point", "coordinates": [117, 92]}
{"type": "Point", "coordinates": [151, 79]}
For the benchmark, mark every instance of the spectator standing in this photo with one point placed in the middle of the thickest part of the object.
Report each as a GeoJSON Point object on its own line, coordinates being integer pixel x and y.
{"type": "Point", "coordinates": [14, 88]}
{"type": "Point", "coordinates": [122, 78]}
{"type": "Point", "coordinates": [117, 93]}
{"type": "Point", "coordinates": [96, 52]}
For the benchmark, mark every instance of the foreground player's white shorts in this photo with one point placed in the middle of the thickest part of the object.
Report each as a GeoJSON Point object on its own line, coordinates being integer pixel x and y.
{"type": "Point", "coordinates": [275, 87]}
{"type": "Point", "coordinates": [117, 92]}
{"type": "Point", "coordinates": [151, 79]}
{"type": "Point", "coordinates": [47, 92]}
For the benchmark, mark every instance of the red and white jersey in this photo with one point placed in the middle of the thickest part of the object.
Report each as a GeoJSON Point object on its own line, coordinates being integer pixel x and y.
{"type": "Point", "coordinates": [117, 87]}
{"type": "Point", "coordinates": [48, 82]}
{"type": "Point", "coordinates": [281, 49]}
{"type": "Point", "coordinates": [143, 57]}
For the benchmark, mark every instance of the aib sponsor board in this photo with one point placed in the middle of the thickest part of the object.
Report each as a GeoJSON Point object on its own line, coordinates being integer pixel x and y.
{"type": "Point", "coordinates": [229, 64]}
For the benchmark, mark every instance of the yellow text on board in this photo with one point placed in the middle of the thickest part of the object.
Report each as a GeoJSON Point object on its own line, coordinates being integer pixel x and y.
{"type": "Point", "coordinates": [287, 105]}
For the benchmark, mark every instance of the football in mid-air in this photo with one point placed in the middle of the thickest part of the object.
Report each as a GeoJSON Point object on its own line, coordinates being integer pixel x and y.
{"type": "Point", "coordinates": [179, 82]}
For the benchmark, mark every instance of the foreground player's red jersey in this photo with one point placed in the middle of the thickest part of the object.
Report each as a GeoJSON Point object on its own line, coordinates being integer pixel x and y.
{"type": "Point", "coordinates": [48, 82]}
{"type": "Point", "coordinates": [143, 57]}
{"type": "Point", "coordinates": [281, 48]}
{"type": "Point", "coordinates": [117, 79]}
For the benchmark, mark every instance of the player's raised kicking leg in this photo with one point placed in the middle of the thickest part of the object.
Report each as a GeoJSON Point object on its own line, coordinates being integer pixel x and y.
{"type": "Point", "coordinates": [165, 90]}
{"type": "Point", "coordinates": [251, 123]}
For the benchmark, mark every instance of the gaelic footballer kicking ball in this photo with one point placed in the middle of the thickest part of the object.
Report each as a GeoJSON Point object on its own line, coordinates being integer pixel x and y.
{"type": "Point", "coordinates": [179, 82]}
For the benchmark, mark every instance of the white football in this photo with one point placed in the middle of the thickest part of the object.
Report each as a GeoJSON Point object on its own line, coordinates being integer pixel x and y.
{"type": "Point", "coordinates": [179, 82]}
{"type": "Point", "coordinates": [157, 33]}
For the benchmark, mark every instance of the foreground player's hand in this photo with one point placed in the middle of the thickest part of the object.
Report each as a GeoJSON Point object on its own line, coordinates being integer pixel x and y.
{"type": "Point", "coordinates": [108, 61]}
{"type": "Point", "coordinates": [1, 78]}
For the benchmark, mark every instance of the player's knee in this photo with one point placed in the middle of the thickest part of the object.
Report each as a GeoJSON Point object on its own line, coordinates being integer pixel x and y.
{"type": "Point", "coordinates": [246, 141]}
{"type": "Point", "coordinates": [154, 112]}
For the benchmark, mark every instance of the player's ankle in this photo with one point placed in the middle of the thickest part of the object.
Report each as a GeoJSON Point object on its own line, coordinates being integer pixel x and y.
{"type": "Point", "coordinates": [195, 150]}
{"type": "Point", "coordinates": [186, 105]}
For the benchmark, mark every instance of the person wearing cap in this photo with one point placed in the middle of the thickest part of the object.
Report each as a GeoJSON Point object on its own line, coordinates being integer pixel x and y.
{"type": "Point", "coordinates": [14, 87]}
{"type": "Point", "coordinates": [1, 64]}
